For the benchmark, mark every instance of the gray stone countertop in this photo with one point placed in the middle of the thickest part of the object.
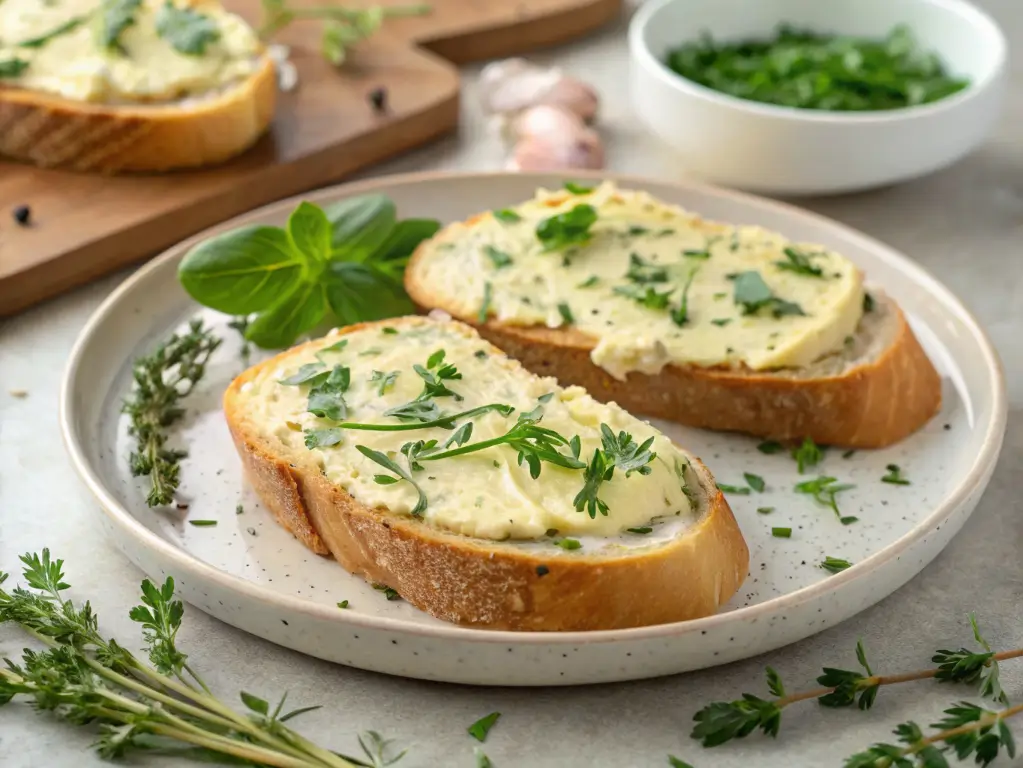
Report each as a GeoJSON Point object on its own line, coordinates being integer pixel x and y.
{"type": "Point", "coordinates": [963, 224]}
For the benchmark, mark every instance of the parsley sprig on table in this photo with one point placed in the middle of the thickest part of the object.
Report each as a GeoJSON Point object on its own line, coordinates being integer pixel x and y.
{"type": "Point", "coordinates": [803, 69]}
{"type": "Point", "coordinates": [966, 731]}
{"type": "Point", "coordinates": [161, 380]}
{"type": "Point", "coordinates": [161, 707]}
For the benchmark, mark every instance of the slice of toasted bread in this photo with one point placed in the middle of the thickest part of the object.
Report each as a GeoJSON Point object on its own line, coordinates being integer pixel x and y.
{"type": "Point", "coordinates": [688, 568]}
{"type": "Point", "coordinates": [876, 390]}
{"type": "Point", "coordinates": [54, 132]}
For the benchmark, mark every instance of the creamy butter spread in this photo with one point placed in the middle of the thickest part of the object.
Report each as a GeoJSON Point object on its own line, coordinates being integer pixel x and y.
{"type": "Point", "coordinates": [592, 287]}
{"type": "Point", "coordinates": [486, 494]}
{"type": "Point", "coordinates": [144, 67]}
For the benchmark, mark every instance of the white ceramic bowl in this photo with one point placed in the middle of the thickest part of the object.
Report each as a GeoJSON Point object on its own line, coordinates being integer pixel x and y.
{"type": "Point", "coordinates": [784, 150]}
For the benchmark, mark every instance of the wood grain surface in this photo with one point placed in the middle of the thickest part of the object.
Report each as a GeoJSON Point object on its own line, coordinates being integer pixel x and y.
{"type": "Point", "coordinates": [84, 226]}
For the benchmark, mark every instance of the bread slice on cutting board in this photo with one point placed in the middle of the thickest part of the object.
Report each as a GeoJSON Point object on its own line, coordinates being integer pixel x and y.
{"type": "Point", "coordinates": [162, 86]}
{"type": "Point", "coordinates": [669, 315]}
{"type": "Point", "coordinates": [494, 543]}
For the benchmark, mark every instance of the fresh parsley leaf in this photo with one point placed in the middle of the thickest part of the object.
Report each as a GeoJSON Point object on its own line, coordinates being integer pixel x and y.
{"type": "Point", "coordinates": [590, 282]}
{"type": "Point", "coordinates": [569, 228]}
{"type": "Point", "coordinates": [798, 262]}
{"type": "Point", "coordinates": [485, 304]}
{"type": "Point", "coordinates": [752, 293]}
{"type": "Point", "coordinates": [645, 296]}
{"type": "Point", "coordinates": [643, 271]}
{"type": "Point", "coordinates": [824, 490]}
{"type": "Point", "coordinates": [597, 472]}
{"type": "Point", "coordinates": [417, 410]}
{"type": "Point", "coordinates": [326, 398]}
{"type": "Point", "coordinates": [384, 381]}
{"type": "Point", "coordinates": [12, 67]}
{"type": "Point", "coordinates": [739, 490]}
{"type": "Point", "coordinates": [625, 454]}
{"type": "Point", "coordinates": [721, 321]}
{"type": "Point", "coordinates": [115, 17]}
{"type": "Point", "coordinates": [498, 257]}
{"type": "Point", "coordinates": [754, 481]}
{"type": "Point", "coordinates": [507, 215]}
{"type": "Point", "coordinates": [186, 30]}
{"type": "Point", "coordinates": [782, 533]}
{"type": "Point", "coordinates": [389, 593]}
{"type": "Point", "coordinates": [568, 544]}
{"type": "Point", "coordinates": [894, 475]}
{"type": "Point", "coordinates": [577, 189]}
{"type": "Point", "coordinates": [323, 438]}
{"type": "Point", "coordinates": [807, 454]}
{"type": "Point", "coordinates": [482, 727]}
{"type": "Point", "coordinates": [566, 313]}
{"type": "Point", "coordinates": [680, 314]}
{"type": "Point", "coordinates": [834, 564]}
{"type": "Point", "coordinates": [460, 435]}
{"type": "Point", "coordinates": [675, 762]}
{"type": "Point", "coordinates": [382, 459]}
{"type": "Point", "coordinates": [343, 604]}
{"type": "Point", "coordinates": [769, 447]}
{"type": "Point", "coordinates": [334, 348]}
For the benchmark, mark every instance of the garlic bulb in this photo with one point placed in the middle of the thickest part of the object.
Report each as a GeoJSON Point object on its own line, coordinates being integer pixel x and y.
{"type": "Point", "coordinates": [555, 152]}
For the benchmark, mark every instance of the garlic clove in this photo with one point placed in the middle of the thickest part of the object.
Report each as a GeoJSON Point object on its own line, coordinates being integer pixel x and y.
{"type": "Point", "coordinates": [514, 84]}
{"type": "Point", "coordinates": [543, 120]}
{"type": "Point", "coordinates": [575, 96]}
{"type": "Point", "coordinates": [558, 152]}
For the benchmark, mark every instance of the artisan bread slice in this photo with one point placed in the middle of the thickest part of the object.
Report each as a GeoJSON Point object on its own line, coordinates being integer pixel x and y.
{"type": "Point", "coordinates": [495, 547]}
{"type": "Point", "coordinates": [848, 371]}
{"type": "Point", "coordinates": [150, 101]}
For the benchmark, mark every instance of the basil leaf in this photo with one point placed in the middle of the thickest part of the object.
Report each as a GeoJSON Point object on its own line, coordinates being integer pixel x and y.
{"type": "Point", "coordinates": [360, 293]}
{"type": "Point", "coordinates": [188, 32]}
{"type": "Point", "coordinates": [296, 313]}
{"type": "Point", "coordinates": [115, 17]}
{"type": "Point", "coordinates": [359, 226]}
{"type": "Point", "coordinates": [310, 232]}
{"type": "Point", "coordinates": [14, 67]}
{"type": "Point", "coordinates": [243, 271]}
{"type": "Point", "coordinates": [393, 254]}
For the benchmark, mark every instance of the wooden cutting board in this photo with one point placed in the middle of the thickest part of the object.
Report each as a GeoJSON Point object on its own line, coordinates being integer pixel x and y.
{"type": "Point", "coordinates": [84, 226]}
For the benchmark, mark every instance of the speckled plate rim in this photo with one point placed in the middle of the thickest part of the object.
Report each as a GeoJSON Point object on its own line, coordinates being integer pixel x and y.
{"type": "Point", "coordinates": [121, 517]}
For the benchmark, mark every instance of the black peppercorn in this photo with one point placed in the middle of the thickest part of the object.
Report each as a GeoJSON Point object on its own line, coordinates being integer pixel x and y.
{"type": "Point", "coordinates": [22, 214]}
{"type": "Point", "coordinates": [542, 570]}
{"type": "Point", "coordinates": [379, 99]}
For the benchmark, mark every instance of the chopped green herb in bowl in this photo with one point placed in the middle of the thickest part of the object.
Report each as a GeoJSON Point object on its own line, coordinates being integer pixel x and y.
{"type": "Point", "coordinates": [805, 69]}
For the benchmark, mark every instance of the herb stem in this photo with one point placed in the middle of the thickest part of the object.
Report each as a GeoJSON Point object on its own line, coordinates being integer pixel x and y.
{"type": "Point", "coordinates": [983, 722]}
{"type": "Point", "coordinates": [441, 422]}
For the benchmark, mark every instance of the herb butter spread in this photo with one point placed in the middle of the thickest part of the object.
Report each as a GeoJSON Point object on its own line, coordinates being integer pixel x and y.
{"type": "Point", "coordinates": [118, 51]}
{"type": "Point", "coordinates": [651, 283]}
{"type": "Point", "coordinates": [484, 493]}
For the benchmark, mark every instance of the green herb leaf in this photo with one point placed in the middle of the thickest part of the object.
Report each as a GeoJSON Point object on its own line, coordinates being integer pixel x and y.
{"type": "Point", "coordinates": [326, 398]}
{"type": "Point", "coordinates": [363, 292]}
{"type": "Point", "coordinates": [12, 67]}
{"type": "Point", "coordinates": [482, 761]}
{"type": "Point", "coordinates": [697, 253]}
{"type": "Point", "coordinates": [482, 727]}
{"type": "Point", "coordinates": [343, 604]}
{"type": "Point", "coordinates": [565, 229]}
{"type": "Point", "coordinates": [824, 490]}
{"type": "Point", "coordinates": [752, 293]}
{"type": "Point", "coordinates": [359, 226]}
{"type": "Point", "coordinates": [202, 523]}
{"type": "Point", "coordinates": [782, 533]}
{"type": "Point", "coordinates": [306, 373]}
{"type": "Point", "coordinates": [894, 475]}
{"type": "Point", "coordinates": [869, 302]}
{"type": "Point", "coordinates": [646, 296]}
{"type": "Point", "coordinates": [568, 544]}
{"type": "Point", "coordinates": [485, 304]}
{"type": "Point", "coordinates": [642, 530]}
{"type": "Point", "coordinates": [737, 489]}
{"type": "Point", "coordinates": [721, 321]}
{"type": "Point", "coordinates": [114, 18]}
{"type": "Point", "coordinates": [507, 216]}
{"type": "Point", "coordinates": [566, 313]}
{"type": "Point", "coordinates": [769, 447]}
{"type": "Point", "coordinates": [675, 762]}
{"type": "Point", "coordinates": [186, 30]}
{"type": "Point", "coordinates": [297, 312]}
{"type": "Point", "coordinates": [323, 438]}
{"type": "Point", "coordinates": [798, 262]}
{"type": "Point", "coordinates": [590, 282]}
{"type": "Point", "coordinates": [389, 594]}
{"type": "Point", "coordinates": [498, 257]}
{"type": "Point", "coordinates": [578, 189]}
{"type": "Point", "coordinates": [642, 271]}
{"type": "Point", "coordinates": [765, 510]}
{"type": "Point", "coordinates": [754, 481]}
{"type": "Point", "coordinates": [807, 454]}
{"type": "Point", "coordinates": [835, 564]}
{"type": "Point", "coordinates": [680, 314]}
{"type": "Point", "coordinates": [62, 29]}
{"type": "Point", "coordinates": [384, 381]}
{"type": "Point", "coordinates": [382, 459]}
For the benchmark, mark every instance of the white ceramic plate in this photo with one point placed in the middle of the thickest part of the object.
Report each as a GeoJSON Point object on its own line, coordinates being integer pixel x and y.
{"type": "Point", "coordinates": [251, 574]}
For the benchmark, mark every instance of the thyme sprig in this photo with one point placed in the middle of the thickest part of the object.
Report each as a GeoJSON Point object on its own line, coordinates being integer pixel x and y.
{"type": "Point", "coordinates": [162, 379]}
{"type": "Point", "coordinates": [724, 721]}
{"type": "Point", "coordinates": [88, 679]}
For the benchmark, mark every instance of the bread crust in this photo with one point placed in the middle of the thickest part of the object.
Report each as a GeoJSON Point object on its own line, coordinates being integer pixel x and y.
{"type": "Point", "coordinates": [53, 132]}
{"type": "Point", "coordinates": [872, 404]}
{"type": "Point", "coordinates": [487, 584]}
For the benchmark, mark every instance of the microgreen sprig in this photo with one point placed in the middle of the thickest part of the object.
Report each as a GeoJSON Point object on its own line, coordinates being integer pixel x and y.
{"type": "Point", "coordinates": [824, 490]}
{"type": "Point", "coordinates": [162, 379]}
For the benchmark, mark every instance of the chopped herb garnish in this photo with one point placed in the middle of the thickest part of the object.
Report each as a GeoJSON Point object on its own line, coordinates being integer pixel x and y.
{"type": "Point", "coordinates": [482, 727]}
{"type": "Point", "coordinates": [485, 305]}
{"type": "Point", "coordinates": [807, 454]}
{"type": "Point", "coordinates": [578, 189]}
{"type": "Point", "coordinates": [337, 346]}
{"type": "Point", "coordinates": [680, 313]}
{"type": "Point", "coordinates": [636, 231]}
{"type": "Point", "coordinates": [616, 452]}
{"type": "Point", "coordinates": [798, 262]}
{"type": "Point", "coordinates": [721, 321]}
{"type": "Point", "coordinates": [62, 29]}
{"type": "Point", "coordinates": [326, 396]}
{"type": "Point", "coordinates": [546, 397]}
{"type": "Point", "coordinates": [869, 302]}
{"type": "Point", "coordinates": [507, 215]}
{"type": "Point", "coordinates": [848, 454]}
{"type": "Point", "coordinates": [115, 17]}
{"type": "Point", "coordinates": [343, 604]}
{"type": "Point", "coordinates": [569, 228]}
{"type": "Point", "coordinates": [187, 31]}
{"type": "Point", "coordinates": [645, 296]}
{"type": "Point", "coordinates": [566, 313]}
{"type": "Point", "coordinates": [894, 475]}
{"type": "Point", "coordinates": [498, 257]}
{"type": "Point", "coordinates": [737, 489]}
{"type": "Point", "coordinates": [697, 253]}
{"type": "Point", "coordinates": [834, 564]}
{"type": "Point", "coordinates": [389, 593]}
{"type": "Point", "coordinates": [642, 530]}
{"type": "Point", "coordinates": [239, 509]}
{"type": "Point", "coordinates": [384, 381]}
{"type": "Point", "coordinates": [460, 435]}
{"type": "Point", "coordinates": [12, 67]}
{"type": "Point", "coordinates": [202, 523]}
{"type": "Point", "coordinates": [480, 354]}
{"type": "Point", "coordinates": [754, 481]}
{"type": "Point", "coordinates": [567, 543]}
{"type": "Point", "coordinates": [590, 282]}
{"type": "Point", "coordinates": [782, 533]}
{"type": "Point", "coordinates": [824, 490]}
{"type": "Point", "coordinates": [389, 331]}
{"type": "Point", "coordinates": [382, 459]}
{"type": "Point", "coordinates": [643, 271]}
{"type": "Point", "coordinates": [371, 352]}
{"type": "Point", "coordinates": [769, 447]}
{"type": "Point", "coordinates": [323, 438]}
{"type": "Point", "coordinates": [765, 510]}
{"type": "Point", "coordinates": [306, 374]}
{"type": "Point", "coordinates": [752, 293]}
